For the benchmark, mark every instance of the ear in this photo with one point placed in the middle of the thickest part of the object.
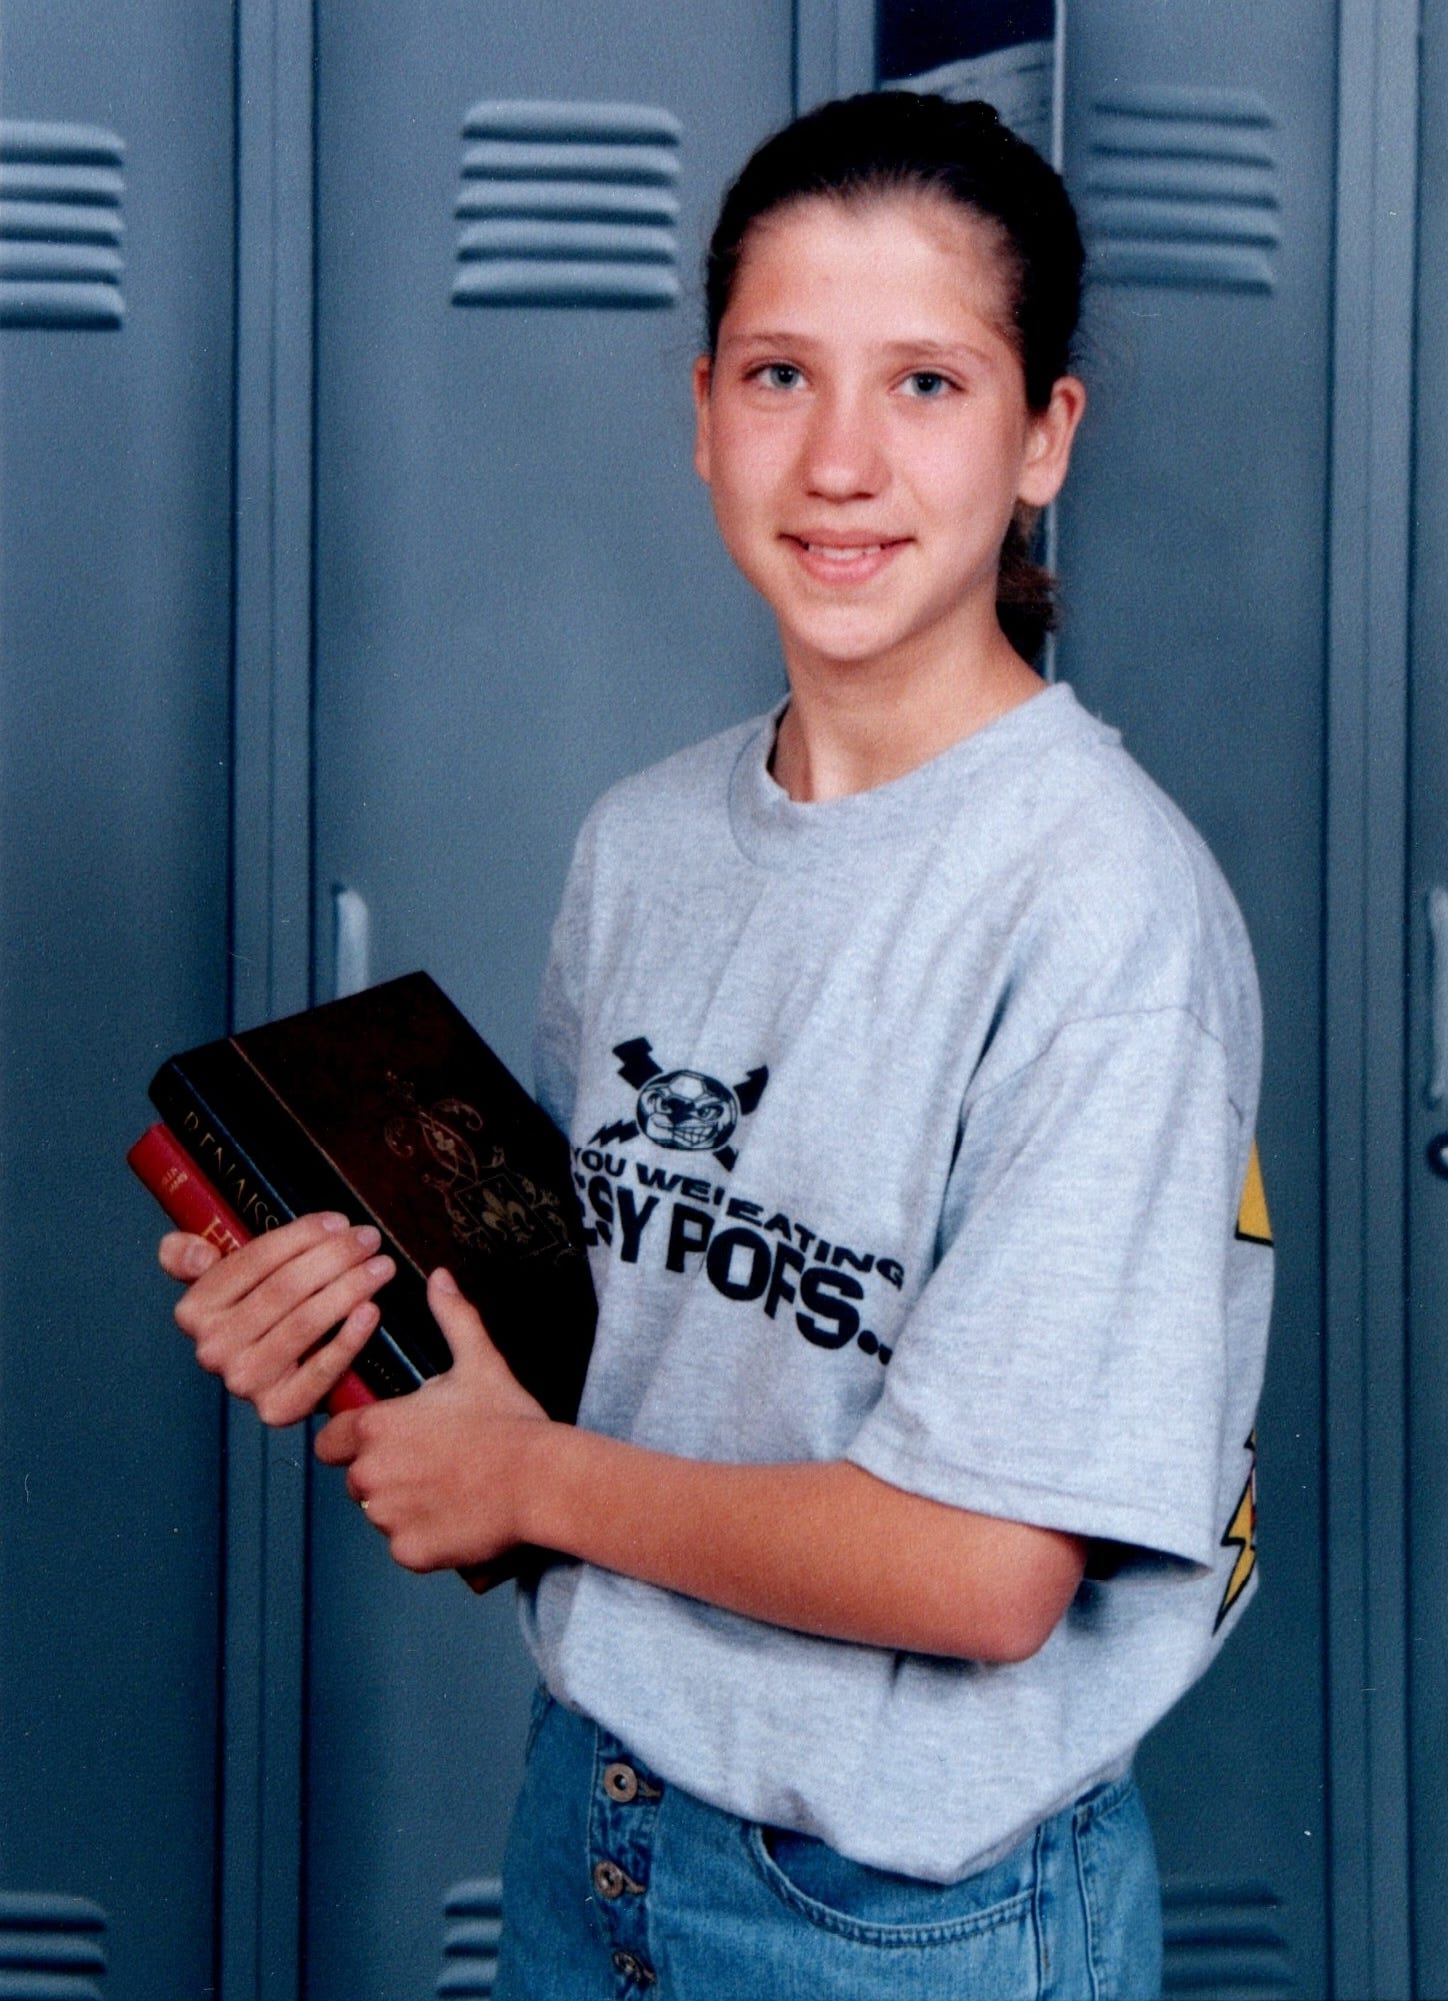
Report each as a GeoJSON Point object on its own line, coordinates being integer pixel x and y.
{"type": "Point", "coordinates": [703, 377]}
{"type": "Point", "coordinates": [1051, 433]}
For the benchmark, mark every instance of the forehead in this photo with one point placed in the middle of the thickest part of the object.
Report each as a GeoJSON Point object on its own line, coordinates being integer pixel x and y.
{"type": "Point", "coordinates": [896, 254]}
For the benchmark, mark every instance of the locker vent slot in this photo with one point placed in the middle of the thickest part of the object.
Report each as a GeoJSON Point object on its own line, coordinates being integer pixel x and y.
{"type": "Point", "coordinates": [51, 1948]}
{"type": "Point", "coordinates": [60, 225]}
{"type": "Point", "coordinates": [1019, 81]}
{"type": "Point", "coordinates": [1182, 189]}
{"type": "Point", "coordinates": [568, 205]}
{"type": "Point", "coordinates": [1225, 1942]}
{"type": "Point", "coordinates": [473, 1916]}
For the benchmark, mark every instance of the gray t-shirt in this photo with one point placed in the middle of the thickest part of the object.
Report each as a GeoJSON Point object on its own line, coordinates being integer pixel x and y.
{"type": "Point", "coordinates": [914, 1129]}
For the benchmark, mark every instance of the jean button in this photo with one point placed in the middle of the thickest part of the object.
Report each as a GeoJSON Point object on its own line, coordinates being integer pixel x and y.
{"type": "Point", "coordinates": [608, 1879]}
{"type": "Point", "coordinates": [621, 1783]}
{"type": "Point", "coordinates": [633, 1968]}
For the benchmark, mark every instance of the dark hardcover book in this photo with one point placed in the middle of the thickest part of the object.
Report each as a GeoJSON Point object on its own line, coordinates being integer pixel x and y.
{"type": "Point", "coordinates": [390, 1107]}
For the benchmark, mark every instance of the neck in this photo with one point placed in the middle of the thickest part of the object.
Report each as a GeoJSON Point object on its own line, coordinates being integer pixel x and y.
{"type": "Point", "coordinates": [848, 729]}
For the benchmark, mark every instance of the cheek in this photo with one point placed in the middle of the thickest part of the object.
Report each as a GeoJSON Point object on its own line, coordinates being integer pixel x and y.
{"type": "Point", "coordinates": [745, 453]}
{"type": "Point", "coordinates": [976, 466]}
{"type": "Point", "coordinates": [749, 481]}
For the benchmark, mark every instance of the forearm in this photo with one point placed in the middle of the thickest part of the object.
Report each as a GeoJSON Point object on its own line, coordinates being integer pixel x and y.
{"type": "Point", "coordinates": [824, 1548]}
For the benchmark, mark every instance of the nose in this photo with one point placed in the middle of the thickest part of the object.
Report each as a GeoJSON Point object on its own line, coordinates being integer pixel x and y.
{"type": "Point", "coordinates": [844, 457]}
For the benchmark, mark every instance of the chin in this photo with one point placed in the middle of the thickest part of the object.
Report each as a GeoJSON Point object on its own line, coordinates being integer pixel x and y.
{"type": "Point", "coordinates": [840, 647]}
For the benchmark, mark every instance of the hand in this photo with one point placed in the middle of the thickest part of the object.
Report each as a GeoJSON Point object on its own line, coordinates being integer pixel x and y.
{"type": "Point", "coordinates": [442, 1472]}
{"type": "Point", "coordinates": [260, 1317]}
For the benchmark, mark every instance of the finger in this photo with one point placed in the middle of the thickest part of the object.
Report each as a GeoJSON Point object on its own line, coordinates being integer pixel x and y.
{"type": "Point", "coordinates": [299, 1393]}
{"type": "Point", "coordinates": [252, 1361]}
{"type": "Point", "coordinates": [340, 1439]}
{"type": "Point", "coordinates": [316, 1269]}
{"type": "Point", "coordinates": [477, 1363]}
{"type": "Point", "coordinates": [235, 1277]}
{"type": "Point", "coordinates": [224, 1319]}
{"type": "Point", "coordinates": [184, 1256]}
{"type": "Point", "coordinates": [458, 1318]}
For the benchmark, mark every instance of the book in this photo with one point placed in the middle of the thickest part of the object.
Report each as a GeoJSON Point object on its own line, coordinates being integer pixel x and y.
{"type": "Point", "coordinates": [163, 1165]}
{"type": "Point", "coordinates": [388, 1106]}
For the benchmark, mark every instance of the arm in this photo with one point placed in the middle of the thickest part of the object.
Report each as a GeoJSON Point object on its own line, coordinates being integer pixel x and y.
{"type": "Point", "coordinates": [825, 1548]}
{"type": "Point", "coordinates": [470, 1465]}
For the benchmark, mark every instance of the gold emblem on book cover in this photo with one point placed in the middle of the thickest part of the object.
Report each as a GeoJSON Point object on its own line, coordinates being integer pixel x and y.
{"type": "Point", "coordinates": [488, 1203]}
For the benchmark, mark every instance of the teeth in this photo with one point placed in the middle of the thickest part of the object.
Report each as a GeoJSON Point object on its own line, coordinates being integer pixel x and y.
{"type": "Point", "coordinates": [833, 555]}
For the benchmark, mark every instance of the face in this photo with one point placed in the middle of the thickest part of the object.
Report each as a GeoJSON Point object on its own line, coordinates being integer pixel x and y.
{"type": "Point", "coordinates": [864, 430]}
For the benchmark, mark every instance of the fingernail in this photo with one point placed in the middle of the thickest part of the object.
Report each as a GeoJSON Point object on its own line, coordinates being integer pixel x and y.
{"type": "Point", "coordinates": [378, 1267]}
{"type": "Point", "coordinates": [368, 1236]}
{"type": "Point", "coordinates": [198, 1258]}
{"type": "Point", "coordinates": [443, 1279]}
{"type": "Point", "coordinates": [334, 1222]}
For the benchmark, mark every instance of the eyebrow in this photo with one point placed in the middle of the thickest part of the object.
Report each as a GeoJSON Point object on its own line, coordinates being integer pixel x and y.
{"type": "Point", "coordinates": [923, 349]}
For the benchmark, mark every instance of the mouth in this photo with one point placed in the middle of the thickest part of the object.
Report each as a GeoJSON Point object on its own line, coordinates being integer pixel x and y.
{"type": "Point", "coordinates": [844, 561]}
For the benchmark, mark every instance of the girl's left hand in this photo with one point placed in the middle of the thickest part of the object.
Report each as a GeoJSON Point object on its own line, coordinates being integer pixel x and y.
{"type": "Point", "coordinates": [440, 1471]}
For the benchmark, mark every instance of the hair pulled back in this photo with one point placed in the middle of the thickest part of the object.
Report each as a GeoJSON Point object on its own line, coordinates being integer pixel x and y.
{"type": "Point", "coordinates": [900, 142]}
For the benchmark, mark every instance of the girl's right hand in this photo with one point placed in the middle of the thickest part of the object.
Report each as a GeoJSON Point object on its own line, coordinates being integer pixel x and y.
{"type": "Point", "coordinates": [260, 1317]}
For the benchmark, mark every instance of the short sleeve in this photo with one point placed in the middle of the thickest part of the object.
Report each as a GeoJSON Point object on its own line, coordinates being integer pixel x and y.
{"type": "Point", "coordinates": [1065, 1364]}
{"type": "Point", "coordinates": [558, 1019]}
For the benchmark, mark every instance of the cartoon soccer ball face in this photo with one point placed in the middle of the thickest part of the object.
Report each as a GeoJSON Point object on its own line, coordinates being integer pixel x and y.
{"type": "Point", "coordinates": [686, 1110]}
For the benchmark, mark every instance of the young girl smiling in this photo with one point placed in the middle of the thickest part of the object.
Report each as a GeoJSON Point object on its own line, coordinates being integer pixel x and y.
{"type": "Point", "coordinates": [908, 1042]}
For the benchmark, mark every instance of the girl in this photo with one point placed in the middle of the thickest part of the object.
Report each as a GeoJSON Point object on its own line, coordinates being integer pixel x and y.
{"type": "Point", "coordinates": [908, 1040]}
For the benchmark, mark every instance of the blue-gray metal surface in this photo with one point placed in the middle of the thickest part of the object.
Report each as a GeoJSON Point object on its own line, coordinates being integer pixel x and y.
{"type": "Point", "coordinates": [271, 963]}
{"type": "Point", "coordinates": [568, 204]}
{"type": "Point", "coordinates": [115, 508]}
{"type": "Point", "coordinates": [1427, 1045]}
{"type": "Point", "coordinates": [1192, 548]}
{"type": "Point", "coordinates": [61, 225]}
{"type": "Point", "coordinates": [834, 51]}
{"type": "Point", "coordinates": [1365, 1167]}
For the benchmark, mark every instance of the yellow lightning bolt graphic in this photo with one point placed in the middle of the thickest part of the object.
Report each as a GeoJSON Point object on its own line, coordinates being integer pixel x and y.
{"type": "Point", "coordinates": [1241, 1534]}
{"type": "Point", "coordinates": [1253, 1223]}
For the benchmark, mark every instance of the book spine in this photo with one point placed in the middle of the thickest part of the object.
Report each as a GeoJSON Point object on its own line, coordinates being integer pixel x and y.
{"type": "Point", "coordinates": [191, 1201]}
{"type": "Point", "coordinates": [204, 1112]}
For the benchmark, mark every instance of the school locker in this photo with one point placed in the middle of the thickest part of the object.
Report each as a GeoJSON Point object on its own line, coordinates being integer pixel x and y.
{"type": "Point", "coordinates": [1427, 1060]}
{"type": "Point", "coordinates": [115, 397]}
{"type": "Point", "coordinates": [474, 581]}
{"type": "Point", "coordinates": [519, 597]}
{"type": "Point", "coordinates": [1192, 546]}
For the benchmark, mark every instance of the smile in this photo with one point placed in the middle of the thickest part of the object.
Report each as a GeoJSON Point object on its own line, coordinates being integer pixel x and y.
{"type": "Point", "coordinates": [843, 562]}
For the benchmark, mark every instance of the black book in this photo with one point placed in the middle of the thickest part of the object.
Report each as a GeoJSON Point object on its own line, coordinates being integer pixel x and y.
{"type": "Point", "coordinates": [389, 1107]}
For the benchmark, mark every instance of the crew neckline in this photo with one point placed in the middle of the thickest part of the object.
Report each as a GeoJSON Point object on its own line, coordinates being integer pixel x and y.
{"type": "Point", "coordinates": [776, 831]}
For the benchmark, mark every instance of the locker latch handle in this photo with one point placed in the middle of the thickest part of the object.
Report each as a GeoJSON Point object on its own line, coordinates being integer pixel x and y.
{"type": "Point", "coordinates": [1438, 937]}
{"type": "Point", "coordinates": [352, 942]}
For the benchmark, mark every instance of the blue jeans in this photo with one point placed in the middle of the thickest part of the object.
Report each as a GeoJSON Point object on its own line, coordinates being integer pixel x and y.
{"type": "Point", "coordinates": [617, 1887]}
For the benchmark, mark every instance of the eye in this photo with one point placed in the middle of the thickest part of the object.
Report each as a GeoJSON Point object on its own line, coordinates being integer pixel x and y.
{"type": "Point", "coordinates": [779, 375]}
{"type": "Point", "coordinates": [927, 383]}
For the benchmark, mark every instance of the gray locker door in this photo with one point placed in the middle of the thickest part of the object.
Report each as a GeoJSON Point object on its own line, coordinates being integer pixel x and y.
{"type": "Point", "coordinates": [115, 450]}
{"type": "Point", "coordinates": [519, 597]}
{"type": "Point", "coordinates": [1427, 1065]}
{"type": "Point", "coordinates": [505, 515]}
{"type": "Point", "coordinates": [1200, 147]}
